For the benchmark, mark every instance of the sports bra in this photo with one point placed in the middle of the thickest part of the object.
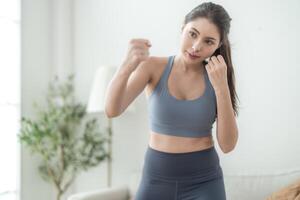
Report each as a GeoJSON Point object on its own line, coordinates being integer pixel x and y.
{"type": "Point", "coordinates": [186, 118]}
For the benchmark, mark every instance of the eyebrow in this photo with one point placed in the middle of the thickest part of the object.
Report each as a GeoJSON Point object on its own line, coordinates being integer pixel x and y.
{"type": "Point", "coordinates": [199, 33]}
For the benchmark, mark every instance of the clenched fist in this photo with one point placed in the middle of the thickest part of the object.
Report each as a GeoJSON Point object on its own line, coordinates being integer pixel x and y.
{"type": "Point", "coordinates": [138, 51]}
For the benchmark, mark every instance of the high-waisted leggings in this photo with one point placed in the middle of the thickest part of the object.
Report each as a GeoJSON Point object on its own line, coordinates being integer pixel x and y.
{"type": "Point", "coordinates": [193, 175]}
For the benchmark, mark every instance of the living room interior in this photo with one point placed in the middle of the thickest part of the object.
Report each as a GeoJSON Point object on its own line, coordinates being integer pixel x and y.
{"type": "Point", "coordinates": [47, 39]}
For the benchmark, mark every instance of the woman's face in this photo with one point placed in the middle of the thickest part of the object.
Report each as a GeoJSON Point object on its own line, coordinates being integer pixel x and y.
{"type": "Point", "coordinates": [203, 36]}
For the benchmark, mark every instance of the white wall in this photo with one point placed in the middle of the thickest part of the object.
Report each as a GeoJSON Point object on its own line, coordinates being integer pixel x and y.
{"type": "Point", "coordinates": [265, 53]}
{"type": "Point", "coordinates": [265, 50]}
{"type": "Point", "coordinates": [46, 50]}
{"type": "Point", "coordinates": [35, 59]}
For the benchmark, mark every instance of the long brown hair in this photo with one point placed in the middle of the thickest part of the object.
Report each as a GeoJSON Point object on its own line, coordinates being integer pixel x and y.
{"type": "Point", "coordinates": [217, 15]}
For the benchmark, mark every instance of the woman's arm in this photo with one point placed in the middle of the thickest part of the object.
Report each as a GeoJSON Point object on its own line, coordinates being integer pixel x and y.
{"type": "Point", "coordinates": [125, 87]}
{"type": "Point", "coordinates": [130, 79]}
{"type": "Point", "coordinates": [115, 92]}
{"type": "Point", "coordinates": [227, 131]}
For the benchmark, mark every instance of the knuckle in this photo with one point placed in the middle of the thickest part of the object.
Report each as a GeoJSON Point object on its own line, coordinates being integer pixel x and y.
{"type": "Point", "coordinates": [132, 41]}
{"type": "Point", "coordinates": [135, 57]}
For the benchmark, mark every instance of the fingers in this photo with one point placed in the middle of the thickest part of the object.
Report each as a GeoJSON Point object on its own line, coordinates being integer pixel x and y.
{"type": "Point", "coordinates": [139, 46]}
{"type": "Point", "coordinates": [140, 41]}
{"type": "Point", "coordinates": [139, 49]}
{"type": "Point", "coordinates": [216, 60]}
{"type": "Point", "coordinates": [221, 59]}
{"type": "Point", "coordinates": [141, 52]}
{"type": "Point", "coordinates": [211, 63]}
{"type": "Point", "coordinates": [208, 67]}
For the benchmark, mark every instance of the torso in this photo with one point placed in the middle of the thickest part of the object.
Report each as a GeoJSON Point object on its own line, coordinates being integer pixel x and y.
{"type": "Point", "coordinates": [178, 85]}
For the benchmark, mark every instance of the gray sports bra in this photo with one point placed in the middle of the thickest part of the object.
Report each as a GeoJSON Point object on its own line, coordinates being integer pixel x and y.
{"type": "Point", "coordinates": [186, 118]}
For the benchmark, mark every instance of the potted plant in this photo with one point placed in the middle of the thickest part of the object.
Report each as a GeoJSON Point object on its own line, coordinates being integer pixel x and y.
{"type": "Point", "coordinates": [62, 136]}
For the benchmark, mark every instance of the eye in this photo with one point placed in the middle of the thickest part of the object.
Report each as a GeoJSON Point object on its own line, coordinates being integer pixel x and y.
{"type": "Point", "coordinates": [209, 42]}
{"type": "Point", "coordinates": [192, 34]}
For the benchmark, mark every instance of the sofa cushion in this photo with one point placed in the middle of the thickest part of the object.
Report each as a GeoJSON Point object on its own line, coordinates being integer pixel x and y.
{"type": "Point", "coordinates": [242, 186]}
{"type": "Point", "coordinates": [249, 187]}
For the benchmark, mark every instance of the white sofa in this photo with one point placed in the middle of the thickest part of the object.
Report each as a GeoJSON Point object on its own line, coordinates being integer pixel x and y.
{"type": "Point", "coordinates": [238, 187]}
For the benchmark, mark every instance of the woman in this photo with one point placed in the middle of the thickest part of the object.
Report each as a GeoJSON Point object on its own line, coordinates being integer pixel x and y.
{"type": "Point", "coordinates": [186, 94]}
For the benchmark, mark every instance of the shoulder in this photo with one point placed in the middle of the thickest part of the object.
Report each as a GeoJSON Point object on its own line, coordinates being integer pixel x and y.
{"type": "Point", "coordinates": [155, 60]}
{"type": "Point", "coordinates": [155, 65]}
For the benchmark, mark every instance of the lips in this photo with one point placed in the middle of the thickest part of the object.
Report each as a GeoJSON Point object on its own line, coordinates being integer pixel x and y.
{"type": "Point", "coordinates": [194, 56]}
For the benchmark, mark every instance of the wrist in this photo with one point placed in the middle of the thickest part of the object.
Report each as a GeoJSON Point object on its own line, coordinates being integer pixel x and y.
{"type": "Point", "coordinates": [222, 90]}
{"type": "Point", "coordinates": [125, 70]}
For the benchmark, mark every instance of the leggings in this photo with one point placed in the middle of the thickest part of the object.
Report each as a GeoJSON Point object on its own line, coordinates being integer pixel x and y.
{"type": "Point", "coordinates": [193, 175]}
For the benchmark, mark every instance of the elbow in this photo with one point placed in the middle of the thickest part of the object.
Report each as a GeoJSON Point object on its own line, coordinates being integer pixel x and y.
{"type": "Point", "coordinates": [111, 110]}
{"type": "Point", "coordinates": [109, 113]}
{"type": "Point", "coordinates": [227, 149]}
{"type": "Point", "coordinates": [109, 116]}
{"type": "Point", "coordinates": [231, 146]}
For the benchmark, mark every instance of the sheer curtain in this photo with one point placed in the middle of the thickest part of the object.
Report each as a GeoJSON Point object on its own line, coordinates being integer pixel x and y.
{"type": "Point", "coordinates": [9, 97]}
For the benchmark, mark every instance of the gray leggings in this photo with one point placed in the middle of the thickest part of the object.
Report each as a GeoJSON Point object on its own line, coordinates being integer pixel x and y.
{"type": "Point", "coordinates": [193, 175]}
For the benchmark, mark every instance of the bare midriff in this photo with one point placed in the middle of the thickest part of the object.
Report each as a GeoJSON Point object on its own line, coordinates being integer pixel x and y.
{"type": "Point", "coordinates": [178, 144]}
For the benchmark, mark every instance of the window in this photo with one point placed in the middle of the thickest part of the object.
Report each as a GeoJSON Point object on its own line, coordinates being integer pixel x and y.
{"type": "Point", "coordinates": [9, 97]}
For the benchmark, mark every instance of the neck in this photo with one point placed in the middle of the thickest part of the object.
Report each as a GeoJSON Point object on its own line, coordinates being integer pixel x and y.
{"type": "Point", "coordinates": [187, 68]}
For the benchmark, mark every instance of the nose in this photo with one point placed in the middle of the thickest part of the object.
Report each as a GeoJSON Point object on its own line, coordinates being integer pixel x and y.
{"type": "Point", "coordinates": [196, 46]}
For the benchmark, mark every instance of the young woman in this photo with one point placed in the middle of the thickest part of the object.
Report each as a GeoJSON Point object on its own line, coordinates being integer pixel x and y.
{"type": "Point", "coordinates": [186, 93]}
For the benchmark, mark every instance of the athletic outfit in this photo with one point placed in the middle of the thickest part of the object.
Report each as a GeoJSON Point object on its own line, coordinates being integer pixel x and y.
{"type": "Point", "coordinates": [193, 175]}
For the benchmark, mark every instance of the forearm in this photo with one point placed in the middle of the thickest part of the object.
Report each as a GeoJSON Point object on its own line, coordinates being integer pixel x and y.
{"type": "Point", "coordinates": [227, 131]}
{"type": "Point", "coordinates": [116, 91]}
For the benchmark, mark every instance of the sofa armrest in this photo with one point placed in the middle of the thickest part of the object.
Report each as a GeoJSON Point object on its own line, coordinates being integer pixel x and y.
{"type": "Point", "coordinates": [113, 193]}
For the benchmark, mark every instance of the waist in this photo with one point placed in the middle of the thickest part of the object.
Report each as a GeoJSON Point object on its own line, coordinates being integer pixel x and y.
{"type": "Point", "coordinates": [184, 166]}
{"type": "Point", "coordinates": [177, 144]}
